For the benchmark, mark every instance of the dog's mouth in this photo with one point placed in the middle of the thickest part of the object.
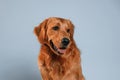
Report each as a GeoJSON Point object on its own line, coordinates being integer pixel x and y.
{"type": "Point", "coordinates": [58, 50]}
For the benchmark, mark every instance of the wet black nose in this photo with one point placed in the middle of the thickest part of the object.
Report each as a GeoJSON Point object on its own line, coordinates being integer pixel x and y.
{"type": "Point", "coordinates": [65, 41]}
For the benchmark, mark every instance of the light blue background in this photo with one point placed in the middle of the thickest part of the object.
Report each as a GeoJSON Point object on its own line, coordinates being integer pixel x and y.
{"type": "Point", "coordinates": [97, 34]}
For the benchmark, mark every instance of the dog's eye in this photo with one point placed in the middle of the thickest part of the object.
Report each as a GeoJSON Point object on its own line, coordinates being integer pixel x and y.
{"type": "Point", "coordinates": [68, 30]}
{"type": "Point", "coordinates": [55, 28]}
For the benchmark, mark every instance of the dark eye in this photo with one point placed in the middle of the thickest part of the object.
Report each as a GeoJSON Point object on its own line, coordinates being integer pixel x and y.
{"type": "Point", "coordinates": [55, 28]}
{"type": "Point", "coordinates": [68, 30]}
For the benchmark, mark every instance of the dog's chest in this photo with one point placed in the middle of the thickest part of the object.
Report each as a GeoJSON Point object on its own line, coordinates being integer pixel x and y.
{"type": "Point", "coordinates": [59, 67]}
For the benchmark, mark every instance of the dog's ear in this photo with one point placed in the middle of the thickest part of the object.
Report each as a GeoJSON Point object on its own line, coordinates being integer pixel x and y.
{"type": "Point", "coordinates": [71, 29]}
{"type": "Point", "coordinates": [36, 31]}
{"type": "Point", "coordinates": [40, 31]}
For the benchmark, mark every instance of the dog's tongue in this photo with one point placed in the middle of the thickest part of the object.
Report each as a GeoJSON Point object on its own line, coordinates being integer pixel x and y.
{"type": "Point", "coordinates": [62, 50]}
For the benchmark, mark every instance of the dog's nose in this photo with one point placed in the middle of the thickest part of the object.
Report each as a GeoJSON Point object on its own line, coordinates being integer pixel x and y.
{"type": "Point", "coordinates": [65, 41]}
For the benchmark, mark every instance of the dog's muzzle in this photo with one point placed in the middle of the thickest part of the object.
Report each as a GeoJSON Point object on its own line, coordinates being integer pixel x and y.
{"type": "Point", "coordinates": [62, 49]}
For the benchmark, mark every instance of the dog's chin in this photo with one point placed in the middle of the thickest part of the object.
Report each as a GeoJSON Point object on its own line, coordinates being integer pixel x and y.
{"type": "Point", "coordinates": [59, 51]}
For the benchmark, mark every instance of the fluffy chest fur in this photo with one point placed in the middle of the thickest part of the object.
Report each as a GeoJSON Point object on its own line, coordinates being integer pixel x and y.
{"type": "Point", "coordinates": [59, 68]}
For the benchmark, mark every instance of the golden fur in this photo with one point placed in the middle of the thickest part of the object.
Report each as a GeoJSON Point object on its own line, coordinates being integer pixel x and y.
{"type": "Point", "coordinates": [58, 64]}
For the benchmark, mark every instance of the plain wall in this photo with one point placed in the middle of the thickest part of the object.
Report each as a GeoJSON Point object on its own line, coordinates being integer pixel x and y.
{"type": "Point", "coordinates": [97, 34]}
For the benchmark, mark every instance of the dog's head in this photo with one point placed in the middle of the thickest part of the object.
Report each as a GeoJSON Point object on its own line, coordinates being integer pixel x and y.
{"type": "Point", "coordinates": [57, 33]}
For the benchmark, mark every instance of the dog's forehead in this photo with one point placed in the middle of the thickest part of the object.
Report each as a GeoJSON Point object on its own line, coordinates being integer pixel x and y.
{"type": "Point", "coordinates": [58, 22]}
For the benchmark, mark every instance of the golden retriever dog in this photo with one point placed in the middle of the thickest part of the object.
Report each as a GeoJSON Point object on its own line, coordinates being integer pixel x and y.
{"type": "Point", "coordinates": [59, 57]}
